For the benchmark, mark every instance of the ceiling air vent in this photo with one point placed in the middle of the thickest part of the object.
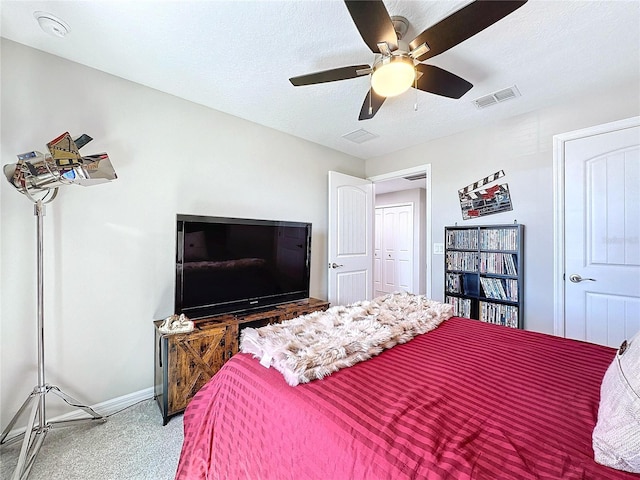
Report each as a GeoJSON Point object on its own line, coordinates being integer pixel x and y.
{"type": "Point", "coordinates": [417, 176]}
{"type": "Point", "coordinates": [496, 97]}
{"type": "Point", "coordinates": [360, 136]}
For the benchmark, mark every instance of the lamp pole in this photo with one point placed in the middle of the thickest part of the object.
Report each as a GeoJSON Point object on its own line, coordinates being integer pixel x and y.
{"type": "Point", "coordinates": [39, 210]}
{"type": "Point", "coordinates": [37, 429]}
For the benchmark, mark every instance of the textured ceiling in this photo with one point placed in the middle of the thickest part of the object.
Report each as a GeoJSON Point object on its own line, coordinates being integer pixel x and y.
{"type": "Point", "coordinates": [237, 56]}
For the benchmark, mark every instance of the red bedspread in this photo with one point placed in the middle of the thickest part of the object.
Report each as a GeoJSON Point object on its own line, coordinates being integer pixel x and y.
{"type": "Point", "coordinates": [466, 401]}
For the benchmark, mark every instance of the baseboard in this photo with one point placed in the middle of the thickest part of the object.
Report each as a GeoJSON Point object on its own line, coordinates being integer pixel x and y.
{"type": "Point", "coordinates": [105, 408]}
{"type": "Point", "coordinates": [110, 407]}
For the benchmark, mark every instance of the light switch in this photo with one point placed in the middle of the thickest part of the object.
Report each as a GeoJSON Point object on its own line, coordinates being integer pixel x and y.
{"type": "Point", "coordinates": [438, 248]}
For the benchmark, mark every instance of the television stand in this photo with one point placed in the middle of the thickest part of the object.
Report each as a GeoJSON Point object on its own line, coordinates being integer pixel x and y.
{"type": "Point", "coordinates": [184, 362]}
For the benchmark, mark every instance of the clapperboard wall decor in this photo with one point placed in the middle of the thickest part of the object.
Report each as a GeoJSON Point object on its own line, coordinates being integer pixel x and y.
{"type": "Point", "coordinates": [477, 200]}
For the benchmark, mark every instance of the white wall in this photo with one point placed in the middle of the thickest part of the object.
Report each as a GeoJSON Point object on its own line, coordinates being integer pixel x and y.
{"type": "Point", "coordinates": [522, 147]}
{"type": "Point", "coordinates": [109, 249]}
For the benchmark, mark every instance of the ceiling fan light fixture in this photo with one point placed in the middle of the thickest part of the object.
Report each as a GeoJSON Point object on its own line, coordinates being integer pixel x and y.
{"type": "Point", "coordinates": [393, 75]}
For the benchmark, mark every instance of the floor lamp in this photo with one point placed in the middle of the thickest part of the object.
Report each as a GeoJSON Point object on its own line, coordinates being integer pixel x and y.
{"type": "Point", "coordinates": [38, 177]}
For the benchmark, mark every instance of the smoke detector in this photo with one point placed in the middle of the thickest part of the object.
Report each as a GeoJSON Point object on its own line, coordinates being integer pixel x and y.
{"type": "Point", "coordinates": [51, 24]}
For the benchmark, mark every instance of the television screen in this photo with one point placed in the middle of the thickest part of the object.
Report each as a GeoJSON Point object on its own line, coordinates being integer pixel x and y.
{"type": "Point", "coordinates": [231, 264]}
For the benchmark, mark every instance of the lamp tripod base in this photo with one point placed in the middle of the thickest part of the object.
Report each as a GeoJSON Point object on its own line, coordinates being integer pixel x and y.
{"type": "Point", "coordinates": [37, 426]}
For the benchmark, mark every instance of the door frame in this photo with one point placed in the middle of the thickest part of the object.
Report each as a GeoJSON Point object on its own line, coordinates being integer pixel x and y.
{"type": "Point", "coordinates": [426, 168]}
{"type": "Point", "coordinates": [559, 210]}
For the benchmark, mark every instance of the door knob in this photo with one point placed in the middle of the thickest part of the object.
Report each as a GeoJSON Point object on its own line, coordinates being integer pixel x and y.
{"type": "Point", "coordinates": [575, 278]}
{"type": "Point", "coordinates": [335, 265]}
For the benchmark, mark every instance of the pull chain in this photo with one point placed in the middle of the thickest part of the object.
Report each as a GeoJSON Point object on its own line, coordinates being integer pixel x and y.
{"type": "Point", "coordinates": [415, 88]}
{"type": "Point", "coordinates": [371, 87]}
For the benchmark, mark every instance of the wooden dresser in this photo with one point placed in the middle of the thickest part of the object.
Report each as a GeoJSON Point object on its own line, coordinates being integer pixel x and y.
{"type": "Point", "coordinates": [184, 362]}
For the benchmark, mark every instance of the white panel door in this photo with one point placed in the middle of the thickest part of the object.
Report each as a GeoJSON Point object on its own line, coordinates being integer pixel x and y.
{"type": "Point", "coordinates": [395, 224]}
{"type": "Point", "coordinates": [350, 243]}
{"type": "Point", "coordinates": [389, 222]}
{"type": "Point", "coordinates": [602, 232]}
{"type": "Point", "coordinates": [404, 248]}
{"type": "Point", "coordinates": [377, 254]}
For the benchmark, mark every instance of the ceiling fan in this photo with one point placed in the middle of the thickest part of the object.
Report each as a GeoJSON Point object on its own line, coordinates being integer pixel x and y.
{"type": "Point", "coordinates": [398, 67]}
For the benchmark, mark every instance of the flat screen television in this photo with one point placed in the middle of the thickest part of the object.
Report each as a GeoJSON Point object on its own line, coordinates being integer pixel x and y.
{"type": "Point", "coordinates": [232, 264]}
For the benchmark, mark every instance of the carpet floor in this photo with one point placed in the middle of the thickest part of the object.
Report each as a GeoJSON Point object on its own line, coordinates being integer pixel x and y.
{"type": "Point", "coordinates": [131, 445]}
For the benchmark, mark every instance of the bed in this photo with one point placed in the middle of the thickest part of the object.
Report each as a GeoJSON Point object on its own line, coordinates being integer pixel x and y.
{"type": "Point", "coordinates": [467, 400]}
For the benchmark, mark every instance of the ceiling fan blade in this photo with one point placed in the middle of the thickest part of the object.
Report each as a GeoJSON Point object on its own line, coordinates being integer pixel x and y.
{"type": "Point", "coordinates": [463, 24]}
{"type": "Point", "coordinates": [440, 82]}
{"type": "Point", "coordinates": [374, 23]}
{"type": "Point", "coordinates": [343, 73]}
{"type": "Point", "coordinates": [371, 105]}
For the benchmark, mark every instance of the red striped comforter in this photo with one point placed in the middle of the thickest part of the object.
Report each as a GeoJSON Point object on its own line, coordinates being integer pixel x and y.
{"type": "Point", "coordinates": [466, 401]}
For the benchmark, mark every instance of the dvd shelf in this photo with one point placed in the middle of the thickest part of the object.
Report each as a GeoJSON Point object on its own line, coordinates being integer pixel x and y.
{"type": "Point", "coordinates": [484, 272]}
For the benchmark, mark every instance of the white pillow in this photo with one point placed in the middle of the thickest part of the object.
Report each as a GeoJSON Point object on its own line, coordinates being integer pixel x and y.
{"type": "Point", "coordinates": [616, 436]}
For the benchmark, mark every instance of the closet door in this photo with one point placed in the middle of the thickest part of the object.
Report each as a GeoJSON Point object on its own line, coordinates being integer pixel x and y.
{"type": "Point", "coordinates": [377, 253]}
{"type": "Point", "coordinates": [396, 232]}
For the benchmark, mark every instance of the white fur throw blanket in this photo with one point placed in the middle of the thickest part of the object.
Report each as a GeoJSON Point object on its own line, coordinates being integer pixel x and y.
{"type": "Point", "coordinates": [315, 345]}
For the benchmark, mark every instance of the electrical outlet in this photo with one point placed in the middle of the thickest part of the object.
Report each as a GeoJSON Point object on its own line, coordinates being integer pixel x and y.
{"type": "Point", "coordinates": [438, 248]}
